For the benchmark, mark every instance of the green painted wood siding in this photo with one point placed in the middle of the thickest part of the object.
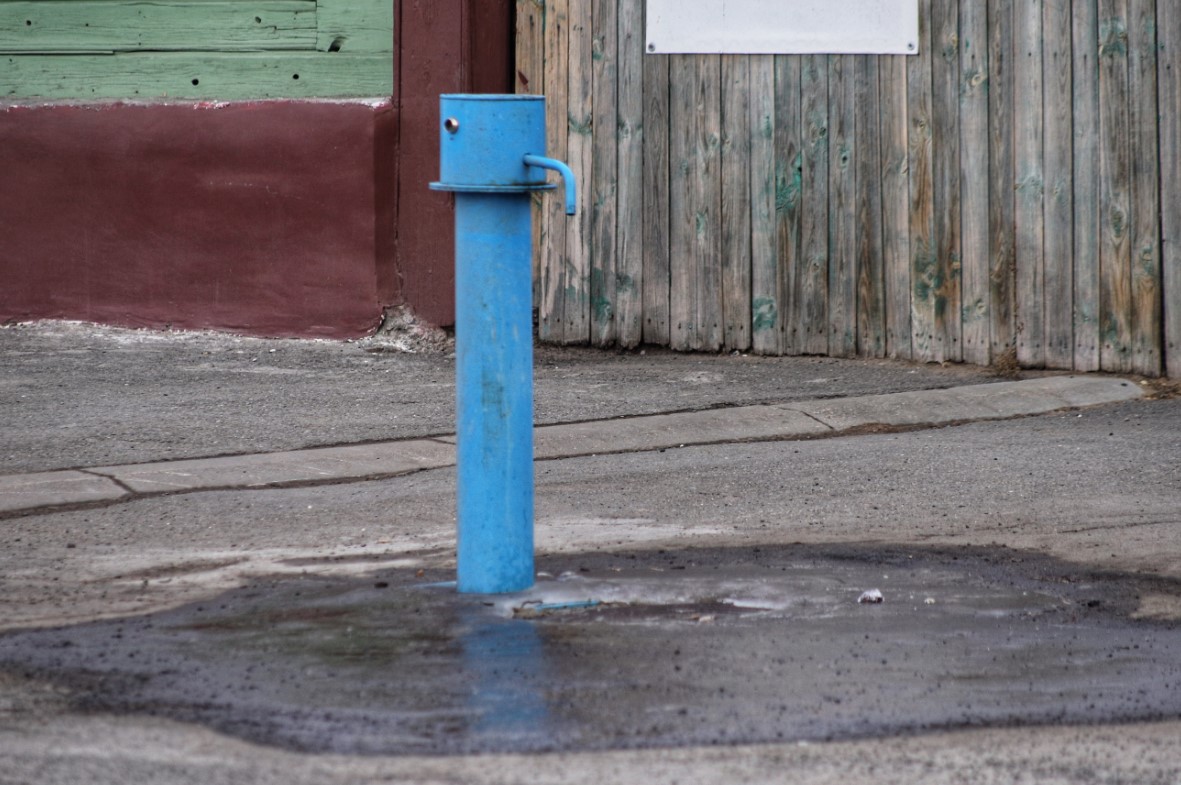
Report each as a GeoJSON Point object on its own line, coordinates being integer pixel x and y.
{"type": "Point", "coordinates": [198, 49]}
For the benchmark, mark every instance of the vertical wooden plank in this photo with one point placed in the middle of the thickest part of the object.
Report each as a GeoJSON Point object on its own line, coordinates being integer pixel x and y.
{"type": "Point", "coordinates": [973, 52]}
{"type": "Point", "coordinates": [1001, 185]}
{"type": "Point", "coordinates": [695, 295]}
{"type": "Point", "coordinates": [1058, 164]}
{"type": "Point", "coordinates": [895, 124]}
{"type": "Point", "coordinates": [530, 47]}
{"type": "Point", "coordinates": [766, 271]}
{"type": "Point", "coordinates": [629, 259]}
{"type": "Point", "coordinates": [529, 79]}
{"type": "Point", "coordinates": [1169, 68]}
{"type": "Point", "coordinates": [708, 196]}
{"type": "Point", "coordinates": [810, 299]}
{"type": "Point", "coordinates": [684, 177]}
{"type": "Point", "coordinates": [604, 186]}
{"type": "Point", "coordinates": [1028, 135]}
{"type": "Point", "coordinates": [924, 261]}
{"type": "Point", "coordinates": [555, 262]}
{"type": "Point", "coordinates": [871, 306]}
{"type": "Point", "coordinates": [580, 123]}
{"type": "Point", "coordinates": [1145, 241]}
{"type": "Point", "coordinates": [842, 208]}
{"type": "Point", "coordinates": [1115, 250]}
{"type": "Point", "coordinates": [789, 198]}
{"type": "Point", "coordinates": [657, 189]}
{"type": "Point", "coordinates": [945, 102]}
{"type": "Point", "coordinates": [735, 202]}
{"type": "Point", "coordinates": [1085, 94]}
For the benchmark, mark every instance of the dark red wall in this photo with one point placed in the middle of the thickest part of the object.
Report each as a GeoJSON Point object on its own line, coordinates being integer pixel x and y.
{"type": "Point", "coordinates": [255, 217]}
{"type": "Point", "coordinates": [282, 218]}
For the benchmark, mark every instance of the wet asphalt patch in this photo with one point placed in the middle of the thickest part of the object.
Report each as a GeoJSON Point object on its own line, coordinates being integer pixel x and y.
{"type": "Point", "coordinates": [660, 648]}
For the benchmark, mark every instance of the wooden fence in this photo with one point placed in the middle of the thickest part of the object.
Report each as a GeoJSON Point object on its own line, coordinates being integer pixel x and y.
{"type": "Point", "coordinates": [1013, 192]}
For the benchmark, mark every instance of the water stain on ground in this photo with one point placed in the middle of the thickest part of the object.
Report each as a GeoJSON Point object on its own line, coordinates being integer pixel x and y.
{"type": "Point", "coordinates": [659, 648]}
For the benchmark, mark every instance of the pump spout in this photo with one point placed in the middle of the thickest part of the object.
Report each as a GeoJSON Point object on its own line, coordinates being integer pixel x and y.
{"type": "Point", "coordinates": [542, 162]}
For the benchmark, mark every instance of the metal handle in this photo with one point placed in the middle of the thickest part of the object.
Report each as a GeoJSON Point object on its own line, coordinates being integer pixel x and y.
{"type": "Point", "coordinates": [542, 162]}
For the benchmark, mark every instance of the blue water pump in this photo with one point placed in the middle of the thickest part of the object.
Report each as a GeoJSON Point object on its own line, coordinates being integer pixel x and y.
{"type": "Point", "coordinates": [491, 157]}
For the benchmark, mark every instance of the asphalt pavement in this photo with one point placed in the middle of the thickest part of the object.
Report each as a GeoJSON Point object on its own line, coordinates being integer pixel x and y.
{"type": "Point", "coordinates": [145, 472]}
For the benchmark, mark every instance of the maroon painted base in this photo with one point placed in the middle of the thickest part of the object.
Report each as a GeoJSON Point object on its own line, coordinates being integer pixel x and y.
{"type": "Point", "coordinates": [268, 218]}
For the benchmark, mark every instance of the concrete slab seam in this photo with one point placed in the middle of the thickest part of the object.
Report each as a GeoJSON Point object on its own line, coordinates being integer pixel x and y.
{"type": "Point", "coordinates": [24, 491]}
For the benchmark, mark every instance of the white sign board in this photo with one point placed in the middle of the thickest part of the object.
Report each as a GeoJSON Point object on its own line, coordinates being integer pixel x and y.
{"type": "Point", "coordinates": [783, 26]}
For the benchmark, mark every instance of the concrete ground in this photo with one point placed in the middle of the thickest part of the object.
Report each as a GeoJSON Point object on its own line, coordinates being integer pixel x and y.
{"type": "Point", "coordinates": [141, 471]}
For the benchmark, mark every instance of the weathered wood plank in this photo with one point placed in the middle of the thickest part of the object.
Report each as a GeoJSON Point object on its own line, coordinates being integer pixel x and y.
{"type": "Point", "coordinates": [924, 262]}
{"type": "Point", "coordinates": [354, 25]}
{"type": "Point", "coordinates": [580, 152]}
{"type": "Point", "coordinates": [842, 208]}
{"type": "Point", "coordinates": [707, 245]}
{"type": "Point", "coordinates": [529, 47]}
{"type": "Point", "coordinates": [810, 299]}
{"type": "Point", "coordinates": [974, 148]}
{"type": "Point", "coordinates": [945, 85]}
{"type": "Point", "coordinates": [529, 79]}
{"type": "Point", "coordinates": [789, 198]}
{"type": "Point", "coordinates": [129, 26]}
{"type": "Point", "coordinates": [895, 123]}
{"type": "Point", "coordinates": [1115, 311]}
{"type": "Point", "coordinates": [555, 264]}
{"type": "Point", "coordinates": [1001, 185]}
{"type": "Point", "coordinates": [605, 172]}
{"type": "Point", "coordinates": [657, 208]}
{"type": "Point", "coordinates": [1058, 166]}
{"type": "Point", "coordinates": [685, 177]}
{"type": "Point", "coordinates": [1087, 217]}
{"type": "Point", "coordinates": [1169, 27]}
{"type": "Point", "coordinates": [629, 258]}
{"type": "Point", "coordinates": [1028, 133]}
{"type": "Point", "coordinates": [1145, 152]}
{"type": "Point", "coordinates": [766, 271]}
{"type": "Point", "coordinates": [695, 203]}
{"type": "Point", "coordinates": [735, 202]}
{"type": "Point", "coordinates": [182, 75]}
{"type": "Point", "coordinates": [871, 306]}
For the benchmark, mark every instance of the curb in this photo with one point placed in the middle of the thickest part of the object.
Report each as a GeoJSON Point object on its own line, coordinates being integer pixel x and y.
{"type": "Point", "coordinates": [806, 419]}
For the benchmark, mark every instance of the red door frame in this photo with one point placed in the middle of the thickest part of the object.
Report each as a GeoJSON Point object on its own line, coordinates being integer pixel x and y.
{"type": "Point", "coordinates": [442, 46]}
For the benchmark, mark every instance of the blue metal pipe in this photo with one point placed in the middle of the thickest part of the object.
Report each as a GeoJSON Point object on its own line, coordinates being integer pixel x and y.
{"type": "Point", "coordinates": [494, 391]}
{"type": "Point", "coordinates": [567, 176]}
{"type": "Point", "coordinates": [485, 160]}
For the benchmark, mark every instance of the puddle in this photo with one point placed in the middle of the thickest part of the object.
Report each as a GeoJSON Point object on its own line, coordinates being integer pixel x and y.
{"type": "Point", "coordinates": [652, 649]}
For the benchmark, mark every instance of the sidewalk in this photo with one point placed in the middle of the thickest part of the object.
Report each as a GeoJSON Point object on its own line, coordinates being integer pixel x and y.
{"type": "Point", "coordinates": [145, 473]}
{"type": "Point", "coordinates": [77, 396]}
{"type": "Point", "coordinates": [800, 420]}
